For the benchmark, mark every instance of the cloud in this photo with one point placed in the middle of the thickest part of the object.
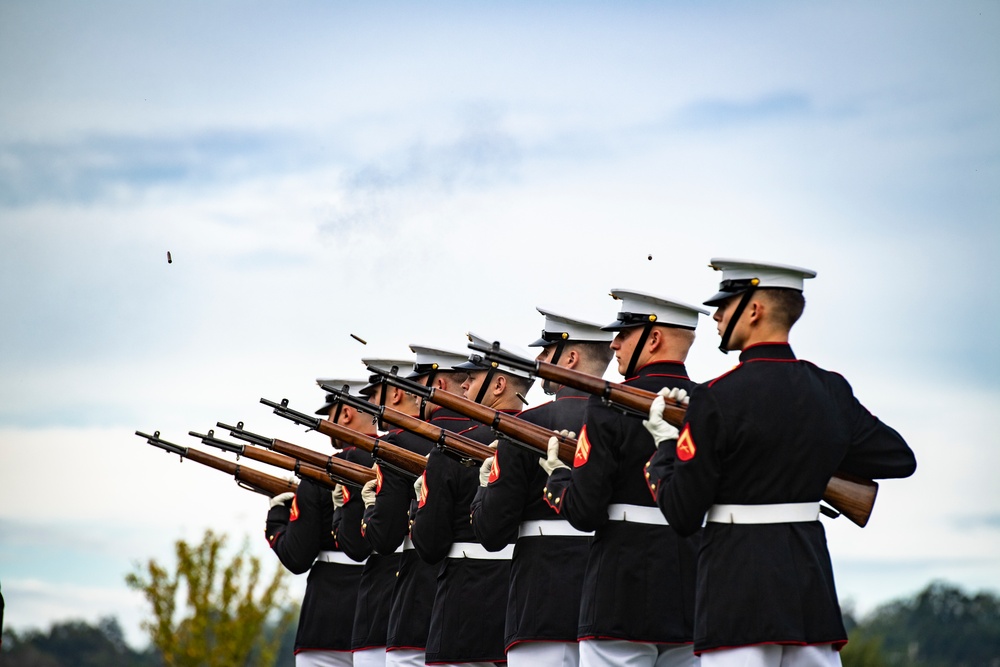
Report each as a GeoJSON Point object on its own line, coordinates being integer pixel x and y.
{"type": "Point", "coordinates": [990, 522]}
{"type": "Point", "coordinates": [714, 113]}
{"type": "Point", "coordinates": [480, 156]}
{"type": "Point", "coordinates": [98, 167]}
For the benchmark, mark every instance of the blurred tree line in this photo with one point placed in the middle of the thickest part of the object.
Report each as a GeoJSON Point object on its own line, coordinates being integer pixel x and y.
{"type": "Point", "coordinates": [80, 644]}
{"type": "Point", "coordinates": [208, 612]}
{"type": "Point", "coordinates": [940, 626]}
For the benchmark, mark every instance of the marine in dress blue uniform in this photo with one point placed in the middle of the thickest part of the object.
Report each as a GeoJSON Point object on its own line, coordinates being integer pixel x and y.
{"type": "Point", "coordinates": [371, 618]}
{"type": "Point", "coordinates": [637, 606]}
{"type": "Point", "coordinates": [390, 500]}
{"type": "Point", "coordinates": [550, 556]}
{"type": "Point", "coordinates": [757, 450]}
{"type": "Point", "coordinates": [300, 529]}
{"type": "Point", "coordinates": [467, 620]}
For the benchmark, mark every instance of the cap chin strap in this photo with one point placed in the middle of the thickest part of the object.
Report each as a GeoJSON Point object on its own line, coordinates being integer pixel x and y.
{"type": "Point", "coordinates": [646, 330]}
{"type": "Point", "coordinates": [423, 401]}
{"type": "Point", "coordinates": [486, 383]}
{"type": "Point", "coordinates": [340, 406]}
{"type": "Point", "coordinates": [381, 402]}
{"type": "Point", "coordinates": [556, 354]}
{"type": "Point", "coordinates": [744, 301]}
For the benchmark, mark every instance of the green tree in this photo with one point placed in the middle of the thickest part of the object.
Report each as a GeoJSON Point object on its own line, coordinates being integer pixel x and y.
{"type": "Point", "coordinates": [73, 644]}
{"type": "Point", "coordinates": [224, 621]}
{"type": "Point", "coordinates": [941, 626]}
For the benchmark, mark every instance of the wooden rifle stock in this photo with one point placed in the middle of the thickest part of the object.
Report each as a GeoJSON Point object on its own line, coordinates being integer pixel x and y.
{"type": "Point", "coordinates": [453, 442]}
{"type": "Point", "coordinates": [465, 449]}
{"type": "Point", "coordinates": [318, 474]}
{"type": "Point", "coordinates": [852, 496]}
{"type": "Point", "coordinates": [520, 431]}
{"type": "Point", "coordinates": [343, 471]}
{"type": "Point", "coordinates": [291, 457]}
{"type": "Point", "coordinates": [401, 459]}
{"type": "Point", "coordinates": [530, 434]}
{"type": "Point", "coordinates": [254, 480]}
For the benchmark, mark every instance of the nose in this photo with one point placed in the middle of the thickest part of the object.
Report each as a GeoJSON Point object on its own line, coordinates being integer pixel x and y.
{"type": "Point", "coordinates": [717, 315]}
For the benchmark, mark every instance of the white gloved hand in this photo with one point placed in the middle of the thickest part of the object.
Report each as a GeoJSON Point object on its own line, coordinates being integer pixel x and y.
{"type": "Point", "coordinates": [676, 394]}
{"type": "Point", "coordinates": [487, 465]}
{"type": "Point", "coordinates": [551, 462]}
{"type": "Point", "coordinates": [338, 496]}
{"type": "Point", "coordinates": [418, 486]}
{"type": "Point", "coordinates": [368, 492]}
{"type": "Point", "coordinates": [568, 434]}
{"type": "Point", "coordinates": [282, 498]}
{"type": "Point", "coordinates": [657, 427]}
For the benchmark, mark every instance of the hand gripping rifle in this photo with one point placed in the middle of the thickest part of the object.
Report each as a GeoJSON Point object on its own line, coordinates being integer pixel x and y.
{"type": "Point", "coordinates": [466, 450]}
{"type": "Point", "coordinates": [331, 468]}
{"type": "Point", "coordinates": [246, 478]}
{"type": "Point", "coordinates": [852, 496]}
{"type": "Point", "coordinates": [299, 468]}
{"type": "Point", "coordinates": [401, 460]}
{"type": "Point", "coordinates": [529, 436]}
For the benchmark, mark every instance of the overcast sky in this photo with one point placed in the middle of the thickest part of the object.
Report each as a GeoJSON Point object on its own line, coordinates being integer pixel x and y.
{"type": "Point", "coordinates": [410, 172]}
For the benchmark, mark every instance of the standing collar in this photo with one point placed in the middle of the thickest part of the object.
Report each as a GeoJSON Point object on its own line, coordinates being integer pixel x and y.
{"type": "Point", "coordinates": [569, 392]}
{"type": "Point", "coordinates": [444, 413]}
{"type": "Point", "coordinates": [782, 351]}
{"type": "Point", "coordinates": [655, 368]}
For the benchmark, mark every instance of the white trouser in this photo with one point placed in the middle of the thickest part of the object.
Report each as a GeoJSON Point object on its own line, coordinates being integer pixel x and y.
{"type": "Point", "coordinates": [324, 659]}
{"type": "Point", "coordinates": [772, 655]}
{"type": "Point", "coordinates": [549, 654]}
{"type": "Point", "coordinates": [405, 657]}
{"type": "Point", "coordinates": [620, 653]}
{"type": "Point", "coordinates": [370, 657]}
{"type": "Point", "coordinates": [465, 664]}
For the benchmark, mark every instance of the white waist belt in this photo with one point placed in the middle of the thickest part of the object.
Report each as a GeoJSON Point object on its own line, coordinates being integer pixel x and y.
{"type": "Point", "coordinates": [783, 513]}
{"type": "Point", "coordinates": [549, 528]}
{"type": "Point", "coordinates": [474, 550]}
{"type": "Point", "coordinates": [407, 543]}
{"type": "Point", "coordinates": [337, 557]}
{"type": "Point", "coordinates": [636, 514]}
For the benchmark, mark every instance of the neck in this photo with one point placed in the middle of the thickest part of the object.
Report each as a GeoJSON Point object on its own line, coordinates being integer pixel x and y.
{"type": "Point", "coordinates": [768, 336]}
{"type": "Point", "coordinates": [505, 402]}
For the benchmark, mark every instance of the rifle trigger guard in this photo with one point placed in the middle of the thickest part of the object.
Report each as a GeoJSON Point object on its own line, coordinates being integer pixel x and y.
{"type": "Point", "coordinates": [828, 511]}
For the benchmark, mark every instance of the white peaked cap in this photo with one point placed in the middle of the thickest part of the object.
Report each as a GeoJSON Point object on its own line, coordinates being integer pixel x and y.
{"type": "Point", "coordinates": [405, 366]}
{"type": "Point", "coordinates": [639, 308]}
{"type": "Point", "coordinates": [560, 327]}
{"type": "Point", "coordinates": [739, 275]}
{"type": "Point", "coordinates": [434, 359]}
{"type": "Point", "coordinates": [355, 387]}
{"type": "Point", "coordinates": [476, 361]}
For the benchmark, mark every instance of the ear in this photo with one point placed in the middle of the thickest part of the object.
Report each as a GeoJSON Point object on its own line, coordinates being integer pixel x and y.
{"type": "Point", "coordinates": [499, 385]}
{"type": "Point", "coordinates": [346, 414]}
{"type": "Point", "coordinates": [572, 358]}
{"type": "Point", "coordinates": [755, 311]}
{"type": "Point", "coordinates": [395, 396]}
{"type": "Point", "coordinates": [439, 383]}
{"type": "Point", "coordinates": [655, 340]}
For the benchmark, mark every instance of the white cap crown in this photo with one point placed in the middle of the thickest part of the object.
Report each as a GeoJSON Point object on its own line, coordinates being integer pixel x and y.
{"type": "Point", "coordinates": [571, 330]}
{"type": "Point", "coordinates": [640, 308]}
{"type": "Point", "coordinates": [739, 275]}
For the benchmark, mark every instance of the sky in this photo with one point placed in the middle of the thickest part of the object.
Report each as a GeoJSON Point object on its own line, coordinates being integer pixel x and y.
{"type": "Point", "coordinates": [407, 173]}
